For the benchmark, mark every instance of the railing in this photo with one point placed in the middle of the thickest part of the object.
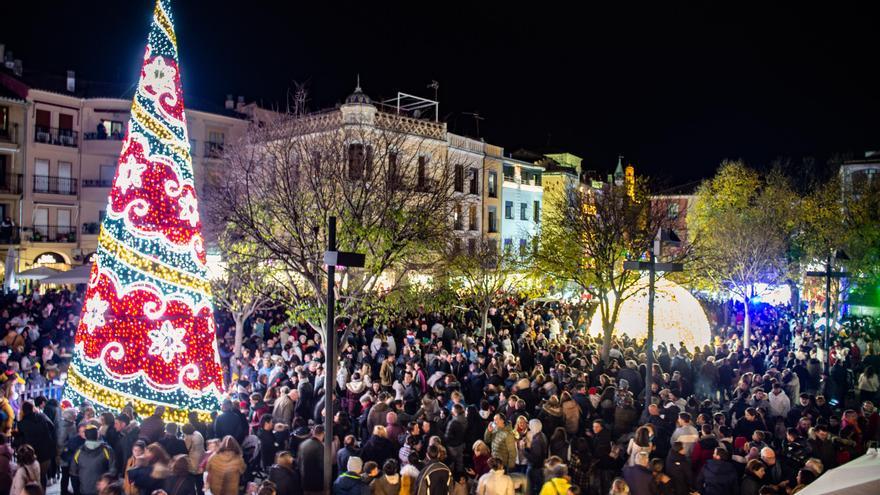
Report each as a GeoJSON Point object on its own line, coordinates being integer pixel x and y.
{"type": "Point", "coordinates": [54, 135]}
{"type": "Point", "coordinates": [48, 184]}
{"type": "Point", "coordinates": [9, 134]}
{"type": "Point", "coordinates": [103, 136]}
{"type": "Point", "coordinates": [10, 235]}
{"type": "Point", "coordinates": [213, 150]}
{"type": "Point", "coordinates": [97, 183]}
{"type": "Point", "coordinates": [53, 233]}
{"type": "Point", "coordinates": [10, 184]}
{"type": "Point", "coordinates": [49, 392]}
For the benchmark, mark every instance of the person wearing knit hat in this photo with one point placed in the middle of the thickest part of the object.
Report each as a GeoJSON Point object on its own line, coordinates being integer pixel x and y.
{"type": "Point", "coordinates": [350, 482]}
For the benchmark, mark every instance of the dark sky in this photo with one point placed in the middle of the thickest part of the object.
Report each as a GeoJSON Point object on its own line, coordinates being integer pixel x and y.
{"type": "Point", "coordinates": [676, 88]}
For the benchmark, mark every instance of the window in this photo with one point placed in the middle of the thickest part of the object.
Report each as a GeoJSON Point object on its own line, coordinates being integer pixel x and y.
{"type": "Point", "coordinates": [523, 211]}
{"type": "Point", "coordinates": [111, 129]}
{"type": "Point", "coordinates": [4, 121]}
{"type": "Point", "coordinates": [475, 181]}
{"type": "Point", "coordinates": [537, 178]}
{"type": "Point", "coordinates": [525, 177]}
{"type": "Point", "coordinates": [508, 244]}
{"type": "Point", "coordinates": [459, 178]}
{"type": "Point", "coordinates": [472, 218]}
{"type": "Point", "coordinates": [508, 210]}
{"type": "Point", "coordinates": [41, 176]}
{"type": "Point", "coordinates": [537, 212]}
{"type": "Point", "coordinates": [493, 245]}
{"type": "Point", "coordinates": [316, 162]}
{"type": "Point", "coordinates": [493, 219]}
{"type": "Point", "coordinates": [523, 247]}
{"type": "Point", "coordinates": [672, 211]}
{"type": "Point", "coordinates": [393, 173]}
{"type": "Point", "coordinates": [456, 219]}
{"type": "Point", "coordinates": [508, 172]}
{"type": "Point", "coordinates": [493, 184]}
{"type": "Point", "coordinates": [422, 173]}
{"type": "Point", "coordinates": [472, 246]}
{"type": "Point", "coordinates": [356, 160]}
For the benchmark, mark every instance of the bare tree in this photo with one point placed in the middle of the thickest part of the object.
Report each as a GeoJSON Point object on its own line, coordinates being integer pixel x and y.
{"type": "Point", "coordinates": [244, 288]}
{"type": "Point", "coordinates": [587, 234]}
{"type": "Point", "coordinates": [384, 177]}
{"type": "Point", "coordinates": [486, 274]}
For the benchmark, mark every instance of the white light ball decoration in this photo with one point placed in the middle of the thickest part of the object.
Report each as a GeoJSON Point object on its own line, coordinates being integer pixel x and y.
{"type": "Point", "coordinates": [678, 316]}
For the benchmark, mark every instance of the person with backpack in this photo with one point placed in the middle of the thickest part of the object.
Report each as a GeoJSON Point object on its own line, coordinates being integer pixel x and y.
{"type": "Point", "coordinates": [435, 478]}
{"type": "Point", "coordinates": [92, 460]}
{"type": "Point", "coordinates": [28, 470]}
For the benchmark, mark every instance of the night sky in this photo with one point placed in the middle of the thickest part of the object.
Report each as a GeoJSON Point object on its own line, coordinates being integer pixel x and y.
{"type": "Point", "coordinates": [674, 88]}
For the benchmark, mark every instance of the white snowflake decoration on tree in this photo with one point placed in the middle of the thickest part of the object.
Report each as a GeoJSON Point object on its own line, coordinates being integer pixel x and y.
{"type": "Point", "coordinates": [167, 341]}
{"type": "Point", "coordinates": [130, 174]}
{"type": "Point", "coordinates": [159, 76]}
{"type": "Point", "coordinates": [94, 314]}
{"type": "Point", "coordinates": [189, 208]}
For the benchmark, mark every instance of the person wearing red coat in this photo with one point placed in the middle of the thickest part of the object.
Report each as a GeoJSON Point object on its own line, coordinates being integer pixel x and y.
{"type": "Point", "coordinates": [704, 448]}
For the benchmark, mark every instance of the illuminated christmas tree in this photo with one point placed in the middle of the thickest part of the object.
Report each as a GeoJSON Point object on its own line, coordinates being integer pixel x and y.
{"type": "Point", "coordinates": [147, 333]}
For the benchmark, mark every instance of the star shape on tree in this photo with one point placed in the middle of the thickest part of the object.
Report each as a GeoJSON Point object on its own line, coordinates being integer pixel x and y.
{"type": "Point", "coordinates": [167, 341]}
{"type": "Point", "coordinates": [93, 316]}
{"type": "Point", "coordinates": [189, 208]}
{"type": "Point", "coordinates": [159, 76]}
{"type": "Point", "coordinates": [129, 175]}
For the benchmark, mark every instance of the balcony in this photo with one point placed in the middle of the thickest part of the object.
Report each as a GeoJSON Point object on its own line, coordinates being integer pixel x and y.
{"type": "Point", "coordinates": [56, 136]}
{"type": "Point", "coordinates": [11, 184]}
{"type": "Point", "coordinates": [10, 134]}
{"type": "Point", "coordinates": [54, 185]}
{"type": "Point", "coordinates": [97, 183]}
{"type": "Point", "coordinates": [103, 136]}
{"type": "Point", "coordinates": [91, 228]}
{"type": "Point", "coordinates": [53, 233]}
{"type": "Point", "coordinates": [10, 235]}
{"type": "Point", "coordinates": [213, 150]}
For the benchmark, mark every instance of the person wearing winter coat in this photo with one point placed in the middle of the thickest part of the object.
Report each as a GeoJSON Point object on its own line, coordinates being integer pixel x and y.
{"type": "Point", "coordinates": [36, 430]}
{"type": "Point", "coordinates": [180, 481]}
{"type": "Point", "coordinates": [195, 447]}
{"type": "Point", "coordinates": [389, 483]}
{"type": "Point", "coordinates": [350, 482]}
{"type": "Point", "coordinates": [678, 468]}
{"type": "Point", "coordinates": [28, 470]}
{"type": "Point", "coordinates": [780, 405]}
{"type": "Point", "coordinates": [718, 476]}
{"type": "Point", "coordinates": [284, 475]}
{"type": "Point", "coordinates": [557, 478]}
{"type": "Point", "coordinates": [153, 427]}
{"type": "Point", "coordinates": [495, 482]}
{"type": "Point", "coordinates": [225, 468]}
{"type": "Point", "coordinates": [378, 448]}
{"type": "Point", "coordinates": [172, 445]}
{"type": "Point", "coordinates": [571, 414]}
{"type": "Point", "coordinates": [536, 452]}
{"type": "Point", "coordinates": [282, 412]}
{"type": "Point", "coordinates": [500, 439]}
{"type": "Point", "coordinates": [435, 478]}
{"type": "Point", "coordinates": [753, 479]}
{"type": "Point", "coordinates": [230, 422]}
{"type": "Point", "coordinates": [551, 414]}
{"type": "Point", "coordinates": [310, 460]}
{"type": "Point", "coordinates": [639, 476]}
{"type": "Point", "coordinates": [704, 449]}
{"type": "Point", "coordinates": [92, 460]}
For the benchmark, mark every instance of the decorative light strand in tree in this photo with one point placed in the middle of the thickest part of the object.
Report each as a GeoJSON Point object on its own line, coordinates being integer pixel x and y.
{"type": "Point", "coordinates": [147, 333]}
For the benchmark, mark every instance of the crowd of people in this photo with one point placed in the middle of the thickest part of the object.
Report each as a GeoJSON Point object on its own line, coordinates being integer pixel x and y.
{"type": "Point", "coordinates": [428, 403]}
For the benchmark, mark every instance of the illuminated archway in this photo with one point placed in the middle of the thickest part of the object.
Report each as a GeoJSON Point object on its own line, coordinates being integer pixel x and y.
{"type": "Point", "coordinates": [678, 316]}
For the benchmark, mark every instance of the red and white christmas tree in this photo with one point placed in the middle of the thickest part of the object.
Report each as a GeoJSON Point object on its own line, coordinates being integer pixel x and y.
{"type": "Point", "coordinates": [147, 333]}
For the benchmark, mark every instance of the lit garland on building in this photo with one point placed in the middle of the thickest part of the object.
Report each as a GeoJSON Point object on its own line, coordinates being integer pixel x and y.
{"type": "Point", "coordinates": [147, 333]}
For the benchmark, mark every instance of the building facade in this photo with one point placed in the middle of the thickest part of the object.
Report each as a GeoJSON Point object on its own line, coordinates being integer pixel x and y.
{"type": "Point", "coordinates": [493, 176]}
{"type": "Point", "coordinates": [69, 145]}
{"type": "Point", "coordinates": [522, 199]}
{"type": "Point", "coordinates": [466, 158]}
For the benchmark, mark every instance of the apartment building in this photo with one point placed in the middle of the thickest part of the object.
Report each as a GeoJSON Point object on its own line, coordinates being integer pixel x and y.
{"type": "Point", "coordinates": [69, 139]}
{"type": "Point", "coordinates": [493, 174]}
{"type": "Point", "coordinates": [523, 199]}
{"type": "Point", "coordinates": [12, 117]}
{"type": "Point", "coordinates": [467, 157]}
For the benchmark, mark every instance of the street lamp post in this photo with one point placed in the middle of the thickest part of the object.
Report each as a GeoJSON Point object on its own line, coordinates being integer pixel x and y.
{"type": "Point", "coordinates": [666, 236]}
{"type": "Point", "coordinates": [828, 274]}
{"type": "Point", "coordinates": [332, 258]}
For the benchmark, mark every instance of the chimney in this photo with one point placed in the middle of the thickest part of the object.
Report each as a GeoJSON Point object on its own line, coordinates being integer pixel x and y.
{"type": "Point", "coordinates": [229, 103]}
{"type": "Point", "coordinates": [240, 103]}
{"type": "Point", "coordinates": [71, 81]}
{"type": "Point", "coordinates": [17, 69]}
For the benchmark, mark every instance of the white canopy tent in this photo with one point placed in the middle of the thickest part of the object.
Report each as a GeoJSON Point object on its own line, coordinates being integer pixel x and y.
{"type": "Point", "coordinates": [38, 273]}
{"type": "Point", "coordinates": [76, 275]}
{"type": "Point", "coordinates": [860, 476]}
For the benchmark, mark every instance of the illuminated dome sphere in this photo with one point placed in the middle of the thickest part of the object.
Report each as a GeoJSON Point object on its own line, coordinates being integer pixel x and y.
{"type": "Point", "coordinates": [678, 316]}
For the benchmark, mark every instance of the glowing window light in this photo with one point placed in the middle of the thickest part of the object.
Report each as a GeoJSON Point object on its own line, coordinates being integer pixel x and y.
{"type": "Point", "coordinates": [678, 316]}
